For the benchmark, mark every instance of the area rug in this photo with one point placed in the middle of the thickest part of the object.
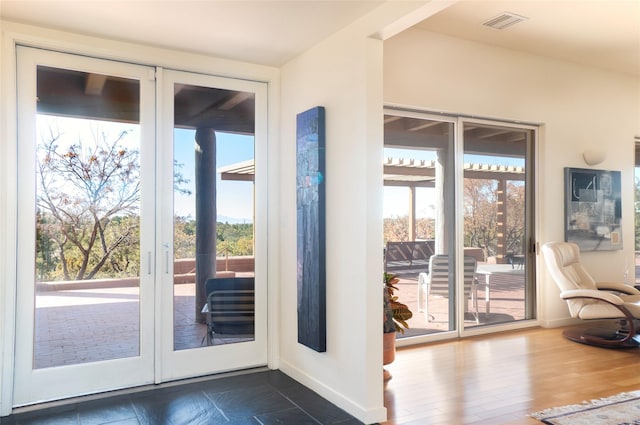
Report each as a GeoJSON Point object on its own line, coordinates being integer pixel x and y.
{"type": "Point", "coordinates": [620, 409]}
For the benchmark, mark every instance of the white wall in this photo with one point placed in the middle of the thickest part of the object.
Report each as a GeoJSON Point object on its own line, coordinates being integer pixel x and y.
{"type": "Point", "coordinates": [343, 74]}
{"type": "Point", "coordinates": [3, 201]}
{"type": "Point", "coordinates": [337, 75]}
{"type": "Point", "coordinates": [578, 107]}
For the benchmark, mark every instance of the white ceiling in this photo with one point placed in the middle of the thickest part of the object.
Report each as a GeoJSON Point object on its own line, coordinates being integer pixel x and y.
{"type": "Point", "coordinates": [592, 32]}
{"type": "Point", "coordinates": [603, 33]}
{"type": "Point", "coordinates": [262, 32]}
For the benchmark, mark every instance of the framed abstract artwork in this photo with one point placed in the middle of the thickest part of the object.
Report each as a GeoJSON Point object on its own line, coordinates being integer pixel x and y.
{"type": "Point", "coordinates": [593, 209]}
{"type": "Point", "coordinates": [310, 208]}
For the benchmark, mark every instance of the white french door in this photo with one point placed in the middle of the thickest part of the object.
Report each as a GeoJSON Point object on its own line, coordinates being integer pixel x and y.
{"type": "Point", "coordinates": [68, 136]}
{"type": "Point", "coordinates": [99, 306]}
{"type": "Point", "coordinates": [195, 133]}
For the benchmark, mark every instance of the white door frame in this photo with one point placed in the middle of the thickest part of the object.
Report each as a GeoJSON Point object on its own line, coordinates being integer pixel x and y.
{"type": "Point", "coordinates": [14, 34]}
{"type": "Point", "coordinates": [458, 121]}
{"type": "Point", "coordinates": [158, 362]}
{"type": "Point", "coordinates": [173, 364]}
{"type": "Point", "coordinates": [40, 385]}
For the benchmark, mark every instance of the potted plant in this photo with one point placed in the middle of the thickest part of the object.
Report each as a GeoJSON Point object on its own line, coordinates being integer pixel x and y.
{"type": "Point", "coordinates": [395, 319]}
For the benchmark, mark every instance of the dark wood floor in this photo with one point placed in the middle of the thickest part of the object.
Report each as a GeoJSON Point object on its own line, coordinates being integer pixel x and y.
{"type": "Point", "coordinates": [501, 378]}
{"type": "Point", "coordinates": [265, 398]}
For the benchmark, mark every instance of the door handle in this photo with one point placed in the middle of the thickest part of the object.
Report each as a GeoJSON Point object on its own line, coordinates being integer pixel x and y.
{"type": "Point", "coordinates": [166, 257]}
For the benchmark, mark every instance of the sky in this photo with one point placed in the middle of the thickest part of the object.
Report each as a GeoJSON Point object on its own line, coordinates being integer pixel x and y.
{"type": "Point", "coordinates": [396, 199]}
{"type": "Point", "coordinates": [234, 199]}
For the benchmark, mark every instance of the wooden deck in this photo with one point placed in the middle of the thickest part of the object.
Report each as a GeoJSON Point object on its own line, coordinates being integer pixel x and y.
{"type": "Point", "coordinates": [506, 304]}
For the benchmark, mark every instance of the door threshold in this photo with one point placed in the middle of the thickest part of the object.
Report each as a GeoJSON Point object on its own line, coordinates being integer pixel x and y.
{"type": "Point", "coordinates": [132, 390]}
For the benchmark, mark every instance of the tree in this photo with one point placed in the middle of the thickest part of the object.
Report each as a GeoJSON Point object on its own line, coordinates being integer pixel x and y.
{"type": "Point", "coordinates": [184, 237]}
{"type": "Point", "coordinates": [45, 247]}
{"type": "Point", "coordinates": [234, 239]}
{"type": "Point", "coordinates": [425, 228]}
{"type": "Point", "coordinates": [396, 229]}
{"type": "Point", "coordinates": [88, 203]}
{"type": "Point", "coordinates": [515, 217]}
{"type": "Point", "coordinates": [480, 214]}
{"type": "Point", "coordinates": [225, 248]}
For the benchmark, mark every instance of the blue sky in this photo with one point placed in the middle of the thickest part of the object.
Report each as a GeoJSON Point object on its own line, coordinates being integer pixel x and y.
{"type": "Point", "coordinates": [234, 199]}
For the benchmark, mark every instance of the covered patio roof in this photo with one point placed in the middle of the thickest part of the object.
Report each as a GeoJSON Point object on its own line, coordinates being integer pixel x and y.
{"type": "Point", "coordinates": [71, 93]}
{"type": "Point", "coordinates": [421, 173]}
{"type": "Point", "coordinates": [412, 174]}
{"type": "Point", "coordinates": [399, 172]}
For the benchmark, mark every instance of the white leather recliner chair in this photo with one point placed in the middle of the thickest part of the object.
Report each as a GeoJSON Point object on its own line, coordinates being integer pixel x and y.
{"type": "Point", "coordinates": [590, 300]}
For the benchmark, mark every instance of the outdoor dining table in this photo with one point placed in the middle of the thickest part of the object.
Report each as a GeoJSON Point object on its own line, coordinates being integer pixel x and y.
{"type": "Point", "coordinates": [488, 270]}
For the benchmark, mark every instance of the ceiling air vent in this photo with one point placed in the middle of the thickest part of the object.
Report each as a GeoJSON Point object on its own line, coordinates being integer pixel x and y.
{"type": "Point", "coordinates": [504, 20]}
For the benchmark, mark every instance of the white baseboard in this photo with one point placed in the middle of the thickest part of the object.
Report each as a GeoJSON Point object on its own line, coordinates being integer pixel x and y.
{"type": "Point", "coordinates": [556, 323]}
{"type": "Point", "coordinates": [368, 416]}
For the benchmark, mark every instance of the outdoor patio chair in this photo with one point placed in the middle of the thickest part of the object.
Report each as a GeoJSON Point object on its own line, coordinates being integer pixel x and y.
{"type": "Point", "coordinates": [436, 283]}
{"type": "Point", "coordinates": [591, 300]}
{"type": "Point", "coordinates": [230, 306]}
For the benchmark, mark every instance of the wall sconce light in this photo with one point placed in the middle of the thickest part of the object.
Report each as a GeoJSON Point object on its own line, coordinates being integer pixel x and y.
{"type": "Point", "coordinates": [593, 157]}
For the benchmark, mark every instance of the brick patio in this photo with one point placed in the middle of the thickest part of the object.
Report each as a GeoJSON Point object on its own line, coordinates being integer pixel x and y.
{"type": "Point", "coordinates": [86, 325]}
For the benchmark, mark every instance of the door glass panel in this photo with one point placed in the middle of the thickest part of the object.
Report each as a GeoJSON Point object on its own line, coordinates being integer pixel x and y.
{"type": "Point", "coordinates": [87, 218]}
{"type": "Point", "coordinates": [213, 232]}
{"type": "Point", "coordinates": [495, 222]}
{"type": "Point", "coordinates": [418, 220]}
{"type": "Point", "coordinates": [633, 266]}
{"type": "Point", "coordinates": [492, 282]}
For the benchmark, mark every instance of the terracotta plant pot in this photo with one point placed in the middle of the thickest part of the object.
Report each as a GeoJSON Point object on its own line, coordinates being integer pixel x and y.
{"type": "Point", "coordinates": [388, 347]}
{"type": "Point", "coordinates": [388, 351]}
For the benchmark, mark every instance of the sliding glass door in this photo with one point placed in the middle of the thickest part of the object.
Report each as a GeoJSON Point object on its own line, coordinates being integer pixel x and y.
{"type": "Point", "coordinates": [458, 210]}
{"type": "Point", "coordinates": [497, 202]}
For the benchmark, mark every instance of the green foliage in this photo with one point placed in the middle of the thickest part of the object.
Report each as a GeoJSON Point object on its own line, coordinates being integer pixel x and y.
{"type": "Point", "coordinates": [184, 237]}
{"type": "Point", "coordinates": [46, 254]}
{"type": "Point", "coordinates": [231, 239]}
{"type": "Point", "coordinates": [234, 239]}
{"type": "Point", "coordinates": [396, 313]}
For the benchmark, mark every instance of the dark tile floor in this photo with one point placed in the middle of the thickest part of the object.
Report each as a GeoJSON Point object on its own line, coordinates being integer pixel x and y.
{"type": "Point", "coordinates": [266, 398]}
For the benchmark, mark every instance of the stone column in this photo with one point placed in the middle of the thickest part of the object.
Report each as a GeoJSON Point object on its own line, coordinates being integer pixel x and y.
{"type": "Point", "coordinates": [444, 201]}
{"type": "Point", "coordinates": [501, 220]}
{"type": "Point", "coordinates": [412, 213]}
{"type": "Point", "coordinates": [205, 170]}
